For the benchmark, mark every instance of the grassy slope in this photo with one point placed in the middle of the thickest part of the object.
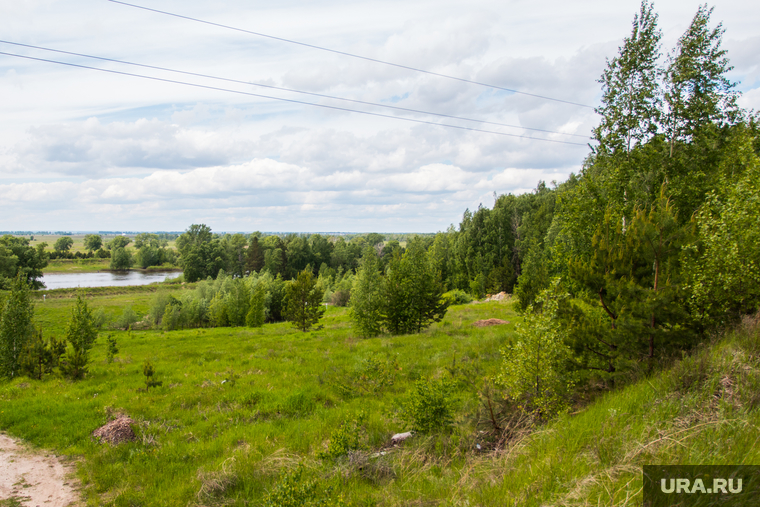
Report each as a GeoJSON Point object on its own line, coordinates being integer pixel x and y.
{"type": "Point", "coordinates": [204, 442]}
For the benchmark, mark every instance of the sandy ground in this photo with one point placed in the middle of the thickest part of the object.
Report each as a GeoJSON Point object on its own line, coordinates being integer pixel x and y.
{"type": "Point", "coordinates": [36, 479]}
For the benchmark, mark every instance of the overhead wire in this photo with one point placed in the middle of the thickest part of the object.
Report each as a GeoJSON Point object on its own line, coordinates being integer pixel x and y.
{"type": "Point", "coordinates": [239, 92]}
{"type": "Point", "coordinates": [387, 106]}
{"type": "Point", "coordinates": [352, 55]}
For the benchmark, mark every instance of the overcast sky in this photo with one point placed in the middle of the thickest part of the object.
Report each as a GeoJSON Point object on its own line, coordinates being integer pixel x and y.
{"type": "Point", "coordinates": [86, 150]}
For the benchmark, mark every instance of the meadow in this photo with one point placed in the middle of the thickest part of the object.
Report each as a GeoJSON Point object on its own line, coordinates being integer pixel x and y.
{"type": "Point", "coordinates": [246, 414]}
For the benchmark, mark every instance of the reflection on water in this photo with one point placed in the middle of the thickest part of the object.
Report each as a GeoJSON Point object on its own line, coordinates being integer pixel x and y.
{"type": "Point", "coordinates": [105, 279]}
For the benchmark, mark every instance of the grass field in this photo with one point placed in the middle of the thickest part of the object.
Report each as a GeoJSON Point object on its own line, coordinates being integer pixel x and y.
{"type": "Point", "coordinates": [240, 407]}
{"type": "Point", "coordinates": [77, 265]}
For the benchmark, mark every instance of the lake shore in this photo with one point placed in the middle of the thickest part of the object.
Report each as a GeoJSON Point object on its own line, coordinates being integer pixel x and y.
{"type": "Point", "coordinates": [64, 266]}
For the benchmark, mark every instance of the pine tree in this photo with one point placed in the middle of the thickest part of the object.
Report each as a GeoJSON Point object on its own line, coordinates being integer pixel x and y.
{"type": "Point", "coordinates": [16, 330]}
{"type": "Point", "coordinates": [413, 292]}
{"type": "Point", "coordinates": [254, 256]}
{"type": "Point", "coordinates": [367, 295]}
{"type": "Point", "coordinates": [81, 334]}
{"type": "Point", "coordinates": [304, 301]}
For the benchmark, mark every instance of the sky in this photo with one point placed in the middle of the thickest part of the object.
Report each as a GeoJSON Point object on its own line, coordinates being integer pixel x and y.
{"type": "Point", "coordinates": [86, 150]}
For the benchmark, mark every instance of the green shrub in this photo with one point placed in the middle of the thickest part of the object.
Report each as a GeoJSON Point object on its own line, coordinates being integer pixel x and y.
{"type": "Point", "coordinates": [292, 490]}
{"type": "Point", "coordinates": [457, 297]}
{"type": "Point", "coordinates": [100, 319]}
{"type": "Point", "coordinates": [429, 406]}
{"type": "Point", "coordinates": [126, 319]}
{"type": "Point", "coordinates": [111, 348]}
{"type": "Point", "coordinates": [344, 438]}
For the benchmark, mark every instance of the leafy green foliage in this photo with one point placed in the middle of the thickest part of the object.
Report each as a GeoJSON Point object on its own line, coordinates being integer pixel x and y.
{"type": "Point", "coordinates": [16, 330]}
{"type": "Point", "coordinates": [112, 348]}
{"type": "Point", "coordinates": [257, 309]}
{"type": "Point", "coordinates": [304, 301]}
{"type": "Point", "coordinates": [93, 242]}
{"type": "Point", "coordinates": [293, 490]}
{"type": "Point", "coordinates": [121, 259]}
{"type": "Point", "coordinates": [698, 91]}
{"type": "Point", "coordinates": [631, 98]}
{"type": "Point", "coordinates": [723, 269]}
{"type": "Point", "coordinates": [127, 318]}
{"type": "Point", "coordinates": [345, 438]}
{"type": "Point", "coordinates": [63, 244]}
{"type": "Point", "coordinates": [429, 406]}
{"type": "Point", "coordinates": [413, 293]}
{"type": "Point", "coordinates": [457, 297]}
{"type": "Point", "coordinates": [535, 371]}
{"type": "Point", "coordinates": [18, 257]}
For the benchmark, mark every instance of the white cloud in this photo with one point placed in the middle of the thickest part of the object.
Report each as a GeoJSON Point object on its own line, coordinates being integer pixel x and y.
{"type": "Point", "coordinates": [80, 149]}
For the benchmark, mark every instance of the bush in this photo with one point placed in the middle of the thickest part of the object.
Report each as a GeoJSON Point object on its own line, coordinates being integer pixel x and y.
{"type": "Point", "coordinates": [121, 259]}
{"type": "Point", "coordinates": [457, 297]}
{"type": "Point", "coordinates": [126, 319]}
{"type": "Point", "coordinates": [344, 438]}
{"type": "Point", "coordinates": [292, 490]}
{"type": "Point", "coordinates": [429, 406]}
{"type": "Point", "coordinates": [340, 298]}
{"type": "Point", "coordinates": [100, 318]}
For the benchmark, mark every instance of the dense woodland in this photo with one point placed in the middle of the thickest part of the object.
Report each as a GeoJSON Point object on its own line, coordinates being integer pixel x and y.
{"type": "Point", "coordinates": [654, 245]}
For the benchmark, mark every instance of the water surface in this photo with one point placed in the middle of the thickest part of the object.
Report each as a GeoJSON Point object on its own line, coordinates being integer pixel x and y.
{"type": "Point", "coordinates": [105, 279]}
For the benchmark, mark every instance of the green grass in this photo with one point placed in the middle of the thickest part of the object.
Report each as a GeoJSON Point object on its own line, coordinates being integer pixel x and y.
{"type": "Point", "coordinates": [77, 265]}
{"type": "Point", "coordinates": [205, 442]}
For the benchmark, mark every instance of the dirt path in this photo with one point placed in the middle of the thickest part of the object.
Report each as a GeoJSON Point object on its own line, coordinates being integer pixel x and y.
{"type": "Point", "coordinates": [35, 479]}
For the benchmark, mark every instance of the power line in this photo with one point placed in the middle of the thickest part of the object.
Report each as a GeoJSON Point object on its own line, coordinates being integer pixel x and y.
{"type": "Point", "coordinates": [289, 89]}
{"type": "Point", "coordinates": [282, 39]}
{"type": "Point", "coordinates": [216, 88]}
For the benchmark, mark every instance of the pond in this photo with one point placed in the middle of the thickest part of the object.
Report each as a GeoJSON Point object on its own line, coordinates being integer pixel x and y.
{"type": "Point", "coordinates": [105, 279]}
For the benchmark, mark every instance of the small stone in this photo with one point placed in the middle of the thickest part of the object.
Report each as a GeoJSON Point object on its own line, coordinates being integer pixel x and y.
{"type": "Point", "coordinates": [400, 437]}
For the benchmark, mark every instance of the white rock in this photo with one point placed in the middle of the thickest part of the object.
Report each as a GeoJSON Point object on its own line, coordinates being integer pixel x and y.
{"type": "Point", "coordinates": [400, 437]}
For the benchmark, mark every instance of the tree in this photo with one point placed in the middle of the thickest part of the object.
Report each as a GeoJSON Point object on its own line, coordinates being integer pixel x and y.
{"type": "Point", "coordinates": [723, 266]}
{"type": "Point", "coordinates": [413, 292]}
{"type": "Point", "coordinates": [698, 91]}
{"type": "Point", "coordinates": [121, 259]}
{"type": "Point", "coordinates": [257, 307]}
{"type": "Point", "coordinates": [40, 356]}
{"type": "Point", "coordinates": [118, 242]}
{"type": "Point", "coordinates": [304, 301]}
{"type": "Point", "coordinates": [81, 334]}
{"type": "Point", "coordinates": [18, 257]}
{"type": "Point", "coordinates": [235, 245]}
{"type": "Point", "coordinates": [254, 256]}
{"type": "Point", "coordinates": [93, 242]}
{"type": "Point", "coordinates": [16, 330]}
{"type": "Point", "coordinates": [63, 244]}
{"type": "Point", "coordinates": [631, 97]}
{"type": "Point", "coordinates": [195, 235]}
{"type": "Point", "coordinates": [367, 295]}
{"type": "Point", "coordinates": [534, 372]}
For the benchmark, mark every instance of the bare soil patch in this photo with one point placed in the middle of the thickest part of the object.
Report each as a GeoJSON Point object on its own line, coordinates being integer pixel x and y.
{"type": "Point", "coordinates": [489, 322]}
{"type": "Point", "coordinates": [34, 478]}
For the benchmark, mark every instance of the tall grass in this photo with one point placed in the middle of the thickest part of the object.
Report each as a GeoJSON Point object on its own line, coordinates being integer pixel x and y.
{"type": "Point", "coordinates": [240, 407]}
